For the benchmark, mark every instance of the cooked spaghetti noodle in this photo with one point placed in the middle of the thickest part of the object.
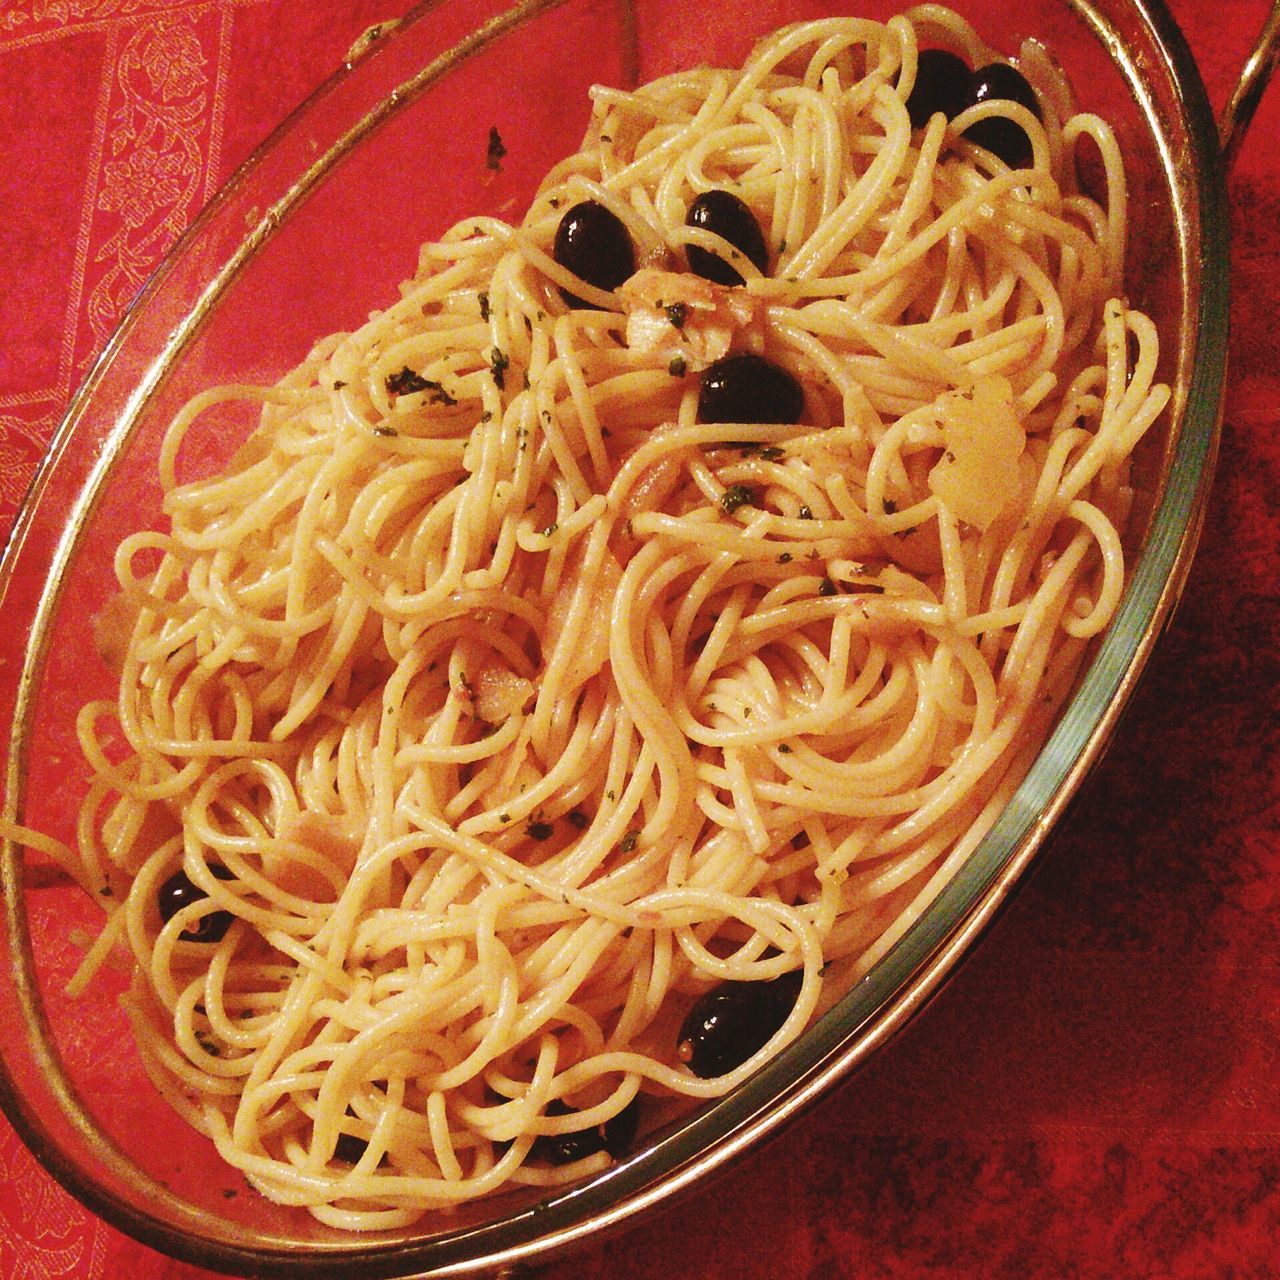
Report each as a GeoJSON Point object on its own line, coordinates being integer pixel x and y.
{"type": "Point", "coordinates": [494, 705]}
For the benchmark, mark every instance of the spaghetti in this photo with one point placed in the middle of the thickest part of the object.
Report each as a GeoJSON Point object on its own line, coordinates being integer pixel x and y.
{"type": "Point", "coordinates": [501, 697]}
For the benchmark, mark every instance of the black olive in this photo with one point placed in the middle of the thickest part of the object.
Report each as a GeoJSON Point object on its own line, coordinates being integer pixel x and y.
{"type": "Point", "coordinates": [593, 244]}
{"type": "Point", "coordinates": [349, 1149]}
{"type": "Point", "coordinates": [729, 218]}
{"type": "Point", "coordinates": [614, 1136]}
{"type": "Point", "coordinates": [178, 891]}
{"type": "Point", "coordinates": [942, 84]}
{"type": "Point", "coordinates": [620, 1131]}
{"type": "Point", "coordinates": [1000, 135]}
{"type": "Point", "coordinates": [733, 1021]}
{"type": "Point", "coordinates": [749, 388]}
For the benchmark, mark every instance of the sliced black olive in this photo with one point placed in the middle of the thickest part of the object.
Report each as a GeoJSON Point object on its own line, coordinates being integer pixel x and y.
{"type": "Point", "coordinates": [749, 388]}
{"type": "Point", "coordinates": [999, 135]}
{"type": "Point", "coordinates": [614, 1136]}
{"type": "Point", "coordinates": [942, 84]}
{"type": "Point", "coordinates": [179, 891]}
{"type": "Point", "coordinates": [733, 1021]}
{"type": "Point", "coordinates": [593, 244]}
{"type": "Point", "coordinates": [728, 217]}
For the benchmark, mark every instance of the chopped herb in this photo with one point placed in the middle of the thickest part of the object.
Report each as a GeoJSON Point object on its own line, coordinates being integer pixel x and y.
{"type": "Point", "coordinates": [105, 891]}
{"type": "Point", "coordinates": [950, 457]}
{"type": "Point", "coordinates": [487, 416]}
{"type": "Point", "coordinates": [527, 383]}
{"type": "Point", "coordinates": [677, 368]}
{"type": "Point", "coordinates": [806, 513]}
{"type": "Point", "coordinates": [208, 1044]}
{"type": "Point", "coordinates": [737, 495]}
{"type": "Point", "coordinates": [499, 361]}
{"type": "Point", "coordinates": [385, 431]}
{"type": "Point", "coordinates": [771, 453]}
{"type": "Point", "coordinates": [439, 395]}
{"type": "Point", "coordinates": [677, 313]}
{"type": "Point", "coordinates": [782, 247]}
{"type": "Point", "coordinates": [826, 587]}
{"type": "Point", "coordinates": [746, 713]}
{"type": "Point", "coordinates": [549, 530]}
{"type": "Point", "coordinates": [784, 749]}
{"type": "Point", "coordinates": [337, 386]}
{"type": "Point", "coordinates": [604, 137]}
{"type": "Point", "coordinates": [540, 830]}
{"type": "Point", "coordinates": [406, 383]}
{"type": "Point", "coordinates": [628, 842]}
{"type": "Point", "coordinates": [504, 817]}
{"type": "Point", "coordinates": [890, 506]}
{"type": "Point", "coordinates": [228, 1193]}
{"type": "Point", "coordinates": [785, 558]}
{"type": "Point", "coordinates": [493, 157]}
{"type": "Point", "coordinates": [554, 202]}
{"type": "Point", "coordinates": [484, 306]}
{"type": "Point", "coordinates": [577, 818]}
{"type": "Point", "coordinates": [609, 795]}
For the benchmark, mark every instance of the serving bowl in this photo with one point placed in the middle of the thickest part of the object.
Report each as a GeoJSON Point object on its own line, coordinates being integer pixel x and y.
{"type": "Point", "coordinates": [306, 239]}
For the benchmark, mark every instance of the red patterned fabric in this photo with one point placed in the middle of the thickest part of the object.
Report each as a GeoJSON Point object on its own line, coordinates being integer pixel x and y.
{"type": "Point", "coordinates": [1097, 1093]}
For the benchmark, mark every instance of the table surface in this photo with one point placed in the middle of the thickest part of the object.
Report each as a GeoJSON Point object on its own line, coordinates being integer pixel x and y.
{"type": "Point", "coordinates": [1097, 1092]}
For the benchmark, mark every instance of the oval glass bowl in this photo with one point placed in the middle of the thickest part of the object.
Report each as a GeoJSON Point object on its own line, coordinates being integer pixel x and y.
{"type": "Point", "coordinates": [314, 232]}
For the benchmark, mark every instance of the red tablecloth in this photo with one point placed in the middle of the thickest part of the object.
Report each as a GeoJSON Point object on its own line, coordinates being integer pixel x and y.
{"type": "Point", "coordinates": [1097, 1093]}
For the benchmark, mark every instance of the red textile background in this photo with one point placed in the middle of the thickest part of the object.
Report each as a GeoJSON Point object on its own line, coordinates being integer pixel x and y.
{"type": "Point", "coordinates": [1097, 1093]}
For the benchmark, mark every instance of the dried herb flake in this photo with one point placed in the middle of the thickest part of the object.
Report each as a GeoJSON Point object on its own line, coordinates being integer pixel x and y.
{"type": "Point", "coordinates": [496, 150]}
{"type": "Point", "coordinates": [406, 383]}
